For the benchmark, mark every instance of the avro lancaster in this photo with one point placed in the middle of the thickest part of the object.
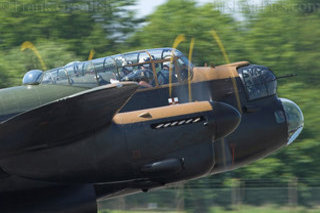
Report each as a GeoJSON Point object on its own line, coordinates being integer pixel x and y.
{"type": "Point", "coordinates": [132, 122]}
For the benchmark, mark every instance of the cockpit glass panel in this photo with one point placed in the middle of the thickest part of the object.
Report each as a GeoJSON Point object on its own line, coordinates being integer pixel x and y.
{"type": "Point", "coordinates": [171, 52]}
{"type": "Point", "coordinates": [109, 73]}
{"type": "Point", "coordinates": [164, 73]}
{"type": "Point", "coordinates": [50, 77]}
{"type": "Point", "coordinates": [89, 77]}
{"type": "Point", "coordinates": [119, 60]}
{"type": "Point", "coordinates": [168, 67]}
{"type": "Point", "coordinates": [156, 54]}
{"type": "Point", "coordinates": [136, 67]}
{"type": "Point", "coordinates": [121, 64]}
{"type": "Point", "coordinates": [70, 70]}
{"type": "Point", "coordinates": [75, 72]}
{"type": "Point", "coordinates": [167, 53]}
{"type": "Point", "coordinates": [177, 53]}
{"type": "Point", "coordinates": [143, 57]}
{"type": "Point", "coordinates": [62, 77]}
{"type": "Point", "coordinates": [77, 69]}
{"type": "Point", "coordinates": [98, 67]}
{"type": "Point", "coordinates": [98, 64]}
{"type": "Point", "coordinates": [131, 58]}
{"type": "Point", "coordinates": [184, 67]}
{"type": "Point", "coordinates": [110, 65]}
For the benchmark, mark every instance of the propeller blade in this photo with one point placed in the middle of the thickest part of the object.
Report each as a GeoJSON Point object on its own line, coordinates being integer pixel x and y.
{"type": "Point", "coordinates": [29, 45]}
{"type": "Point", "coordinates": [234, 82]}
{"type": "Point", "coordinates": [92, 52]}
{"type": "Point", "coordinates": [180, 38]}
{"type": "Point", "coordinates": [189, 67]}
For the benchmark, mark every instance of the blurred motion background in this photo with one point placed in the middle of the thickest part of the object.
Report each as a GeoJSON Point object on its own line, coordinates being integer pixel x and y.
{"type": "Point", "coordinates": [281, 34]}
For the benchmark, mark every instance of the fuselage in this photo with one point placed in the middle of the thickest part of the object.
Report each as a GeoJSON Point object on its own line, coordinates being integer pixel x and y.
{"type": "Point", "coordinates": [137, 152]}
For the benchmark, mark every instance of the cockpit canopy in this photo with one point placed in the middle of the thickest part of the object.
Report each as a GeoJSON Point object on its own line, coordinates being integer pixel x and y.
{"type": "Point", "coordinates": [147, 67]}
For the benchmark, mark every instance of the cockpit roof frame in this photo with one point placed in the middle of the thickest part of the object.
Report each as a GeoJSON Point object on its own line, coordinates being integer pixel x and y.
{"type": "Point", "coordinates": [176, 54]}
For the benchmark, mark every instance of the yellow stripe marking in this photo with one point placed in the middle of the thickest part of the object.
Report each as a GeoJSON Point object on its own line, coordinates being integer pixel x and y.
{"type": "Point", "coordinates": [234, 82]}
{"type": "Point", "coordinates": [189, 71]}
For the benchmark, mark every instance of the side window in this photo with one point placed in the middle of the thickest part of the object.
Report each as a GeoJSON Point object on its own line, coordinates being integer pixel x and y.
{"type": "Point", "coordinates": [164, 73]}
{"type": "Point", "coordinates": [178, 67]}
{"type": "Point", "coordinates": [157, 54]}
{"type": "Point", "coordinates": [105, 70]}
{"type": "Point", "coordinates": [71, 72]}
{"type": "Point", "coordinates": [75, 72]}
{"type": "Point", "coordinates": [167, 53]}
{"type": "Point", "coordinates": [82, 74]}
{"type": "Point", "coordinates": [136, 67]}
{"type": "Point", "coordinates": [50, 77]}
{"type": "Point", "coordinates": [89, 78]}
{"type": "Point", "coordinates": [145, 74]}
{"type": "Point", "coordinates": [98, 65]}
{"type": "Point", "coordinates": [110, 72]}
{"type": "Point", "coordinates": [183, 69]}
{"type": "Point", "coordinates": [141, 73]}
{"type": "Point", "coordinates": [89, 69]}
{"type": "Point", "coordinates": [62, 77]}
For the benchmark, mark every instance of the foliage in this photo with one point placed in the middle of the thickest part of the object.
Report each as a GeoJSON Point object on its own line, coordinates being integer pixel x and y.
{"type": "Point", "coordinates": [288, 42]}
{"type": "Point", "coordinates": [15, 63]}
{"type": "Point", "coordinates": [78, 25]}
{"type": "Point", "coordinates": [185, 17]}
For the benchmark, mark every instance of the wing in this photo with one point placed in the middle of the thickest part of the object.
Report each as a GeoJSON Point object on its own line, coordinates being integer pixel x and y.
{"type": "Point", "coordinates": [64, 120]}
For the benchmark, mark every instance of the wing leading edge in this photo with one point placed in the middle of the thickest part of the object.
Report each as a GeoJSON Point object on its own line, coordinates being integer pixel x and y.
{"type": "Point", "coordinates": [63, 120]}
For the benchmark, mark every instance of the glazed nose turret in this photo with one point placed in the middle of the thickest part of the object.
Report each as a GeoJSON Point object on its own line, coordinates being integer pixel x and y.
{"type": "Point", "coordinates": [294, 118]}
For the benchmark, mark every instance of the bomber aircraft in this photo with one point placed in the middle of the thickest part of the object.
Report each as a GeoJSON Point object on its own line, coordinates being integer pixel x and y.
{"type": "Point", "coordinates": [132, 122]}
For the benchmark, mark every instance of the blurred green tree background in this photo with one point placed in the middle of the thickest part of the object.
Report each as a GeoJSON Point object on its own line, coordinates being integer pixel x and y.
{"type": "Point", "coordinates": [284, 36]}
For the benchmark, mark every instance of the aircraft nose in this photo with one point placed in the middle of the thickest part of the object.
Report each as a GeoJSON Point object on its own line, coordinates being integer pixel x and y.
{"type": "Point", "coordinates": [227, 119]}
{"type": "Point", "coordinates": [294, 118]}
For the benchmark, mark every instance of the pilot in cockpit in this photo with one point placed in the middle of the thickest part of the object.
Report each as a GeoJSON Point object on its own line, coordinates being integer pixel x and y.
{"type": "Point", "coordinates": [163, 75]}
{"type": "Point", "coordinates": [126, 69]}
{"type": "Point", "coordinates": [146, 74]}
